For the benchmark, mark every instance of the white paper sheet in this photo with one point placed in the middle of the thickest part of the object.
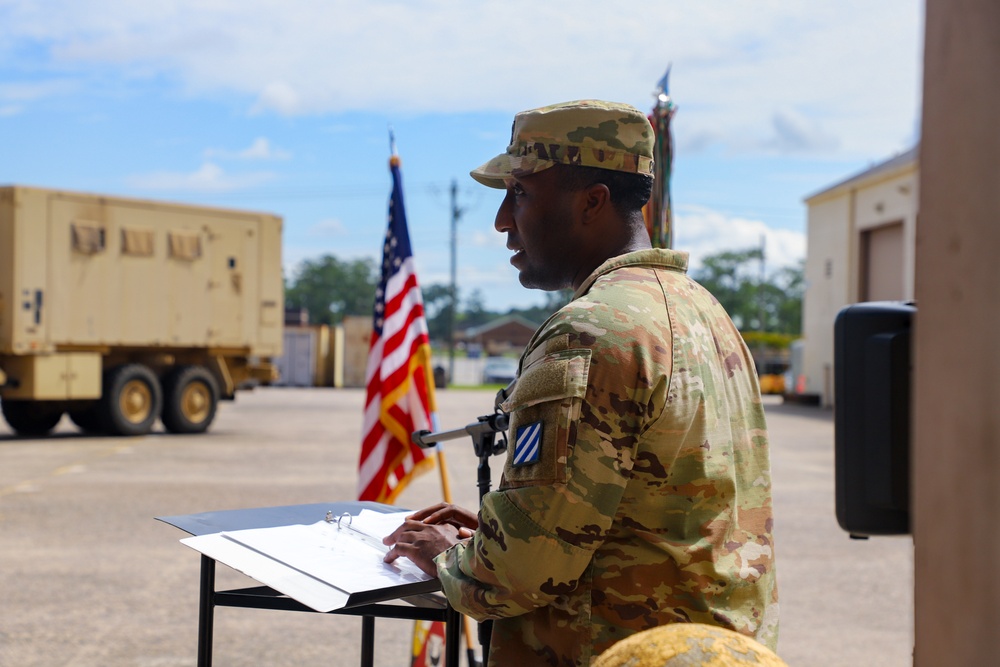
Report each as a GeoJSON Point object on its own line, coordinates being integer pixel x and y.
{"type": "Point", "coordinates": [331, 554]}
{"type": "Point", "coordinates": [296, 585]}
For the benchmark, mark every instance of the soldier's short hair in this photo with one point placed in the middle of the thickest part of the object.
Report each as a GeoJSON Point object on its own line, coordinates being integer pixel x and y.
{"type": "Point", "coordinates": [629, 192]}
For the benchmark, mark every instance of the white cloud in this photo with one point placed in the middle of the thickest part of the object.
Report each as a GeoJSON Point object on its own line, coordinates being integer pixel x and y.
{"type": "Point", "coordinates": [849, 68]}
{"type": "Point", "coordinates": [487, 238]}
{"type": "Point", "coordinates": [697, 142]}
{"type": "Point", "coordinates": [208, 178]}
{"type": "Point", "coordinates": [703, 231]}
{"type": "Point", "coordinates": [796, 133]}
{"type": "Point", "coordinates": [31, 91]}
{"type": "Point", "coordinates": [280, 97]}
{"type": "Point", "coordinates": [259, 149]}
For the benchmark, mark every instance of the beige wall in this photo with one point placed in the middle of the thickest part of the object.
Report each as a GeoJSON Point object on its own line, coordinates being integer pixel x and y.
{"type": "Point", "coordinates": [827, 277]}
{"type": "Point", "coordinates": [956, 419]}
{"type": "Point", "coordinates": [357, 338]}
{"type": "Point", "coordinates": [836, 220]}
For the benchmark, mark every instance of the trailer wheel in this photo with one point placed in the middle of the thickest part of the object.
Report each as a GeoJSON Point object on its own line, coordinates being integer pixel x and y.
{"type": "Point", "coordinates": [30, 417]}
{"type": "Point", "coordinates": [190, 398]}
{"type": "Point", "coordinates": [131, 400]}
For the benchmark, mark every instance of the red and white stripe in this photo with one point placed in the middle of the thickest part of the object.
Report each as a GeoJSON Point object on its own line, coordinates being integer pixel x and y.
{"type": "Point", "coordinates": [399, 385]}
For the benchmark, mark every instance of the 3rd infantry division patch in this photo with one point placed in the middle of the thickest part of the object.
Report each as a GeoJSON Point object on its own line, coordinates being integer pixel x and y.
{"type": "Point", "coordinates": [528, 444]}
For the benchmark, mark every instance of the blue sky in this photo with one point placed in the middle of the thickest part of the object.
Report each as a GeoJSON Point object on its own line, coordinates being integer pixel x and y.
{"type": "Point", "coordinates": [284, 106]}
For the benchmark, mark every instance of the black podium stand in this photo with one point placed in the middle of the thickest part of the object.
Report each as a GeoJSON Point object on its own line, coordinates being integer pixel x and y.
{"type": "Point", "coordinates": [425, 608]}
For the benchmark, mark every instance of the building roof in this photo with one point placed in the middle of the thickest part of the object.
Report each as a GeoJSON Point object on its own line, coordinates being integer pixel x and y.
{"type": "Point", "coordinates": [896, 163]}
{"type": "Point", "coordinates": [472, 332]}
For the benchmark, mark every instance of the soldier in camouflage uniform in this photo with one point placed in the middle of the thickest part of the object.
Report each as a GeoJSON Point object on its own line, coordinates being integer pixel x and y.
{"type": "Point", "coordinates": [636, 490]}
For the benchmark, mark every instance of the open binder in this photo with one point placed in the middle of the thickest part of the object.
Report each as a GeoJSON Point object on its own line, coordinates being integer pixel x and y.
{"type": "Point", "coordinates": [331, 564]}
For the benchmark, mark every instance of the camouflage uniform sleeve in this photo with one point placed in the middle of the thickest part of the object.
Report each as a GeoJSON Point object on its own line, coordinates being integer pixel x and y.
{"type": "Point", "coordinates": [538, 533]}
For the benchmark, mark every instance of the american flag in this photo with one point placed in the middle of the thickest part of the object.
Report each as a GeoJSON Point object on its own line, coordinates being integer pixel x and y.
{"type": "Point", "coordinates": [400, 396]}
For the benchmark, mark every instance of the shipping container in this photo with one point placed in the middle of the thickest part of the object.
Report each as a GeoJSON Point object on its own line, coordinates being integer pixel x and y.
{"type": "Point", "coordinates": [124, 311]}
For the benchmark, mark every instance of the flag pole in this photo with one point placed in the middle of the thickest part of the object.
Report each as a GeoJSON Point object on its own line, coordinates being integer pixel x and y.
{"type": "Point", "coordinates": [446, 494]}
{"type": "Point", "coordinates": [399, 390]}
{"type": "Point", "coordinates": [440, 458]}
{"type": "Point", "coordinates": [660, 222]}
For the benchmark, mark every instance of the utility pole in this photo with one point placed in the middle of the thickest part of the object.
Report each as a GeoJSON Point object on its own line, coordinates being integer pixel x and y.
{"type": "Point", "coordinates": [456, 213]}
{"type": "Point", "coordinates": [760, 287]}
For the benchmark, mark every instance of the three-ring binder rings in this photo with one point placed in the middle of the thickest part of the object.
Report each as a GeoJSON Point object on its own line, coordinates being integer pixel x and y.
{"type": "Point", "coordinates": [331, 564]}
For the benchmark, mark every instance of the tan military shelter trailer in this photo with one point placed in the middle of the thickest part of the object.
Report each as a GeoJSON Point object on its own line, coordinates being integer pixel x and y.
{"type": "Point", "coordinates": [121, 311]}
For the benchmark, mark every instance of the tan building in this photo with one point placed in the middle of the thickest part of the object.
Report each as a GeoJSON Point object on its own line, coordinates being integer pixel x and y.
{"type": "Point", "coordinates": [860, 247]}
{"type": "Point", "coordinates": [507, 334]}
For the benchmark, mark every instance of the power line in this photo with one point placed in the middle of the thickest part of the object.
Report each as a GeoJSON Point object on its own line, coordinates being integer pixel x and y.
{"type": "Point", "coordinates": [343, 192]}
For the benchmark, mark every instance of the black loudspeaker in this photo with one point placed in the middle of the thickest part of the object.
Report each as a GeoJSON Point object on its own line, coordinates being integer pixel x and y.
{"type": "Point", "coordinates": [872, 378]}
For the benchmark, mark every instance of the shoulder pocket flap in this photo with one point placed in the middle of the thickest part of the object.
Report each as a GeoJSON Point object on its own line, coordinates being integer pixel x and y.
{"type": "Point", "coordinates": [554, 344]}
{"type": "Point", "coordinates": [554, 377]}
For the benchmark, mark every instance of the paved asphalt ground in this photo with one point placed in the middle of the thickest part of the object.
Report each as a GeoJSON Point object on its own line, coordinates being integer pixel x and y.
{"type": "Point", "coordinates": [88, 578]}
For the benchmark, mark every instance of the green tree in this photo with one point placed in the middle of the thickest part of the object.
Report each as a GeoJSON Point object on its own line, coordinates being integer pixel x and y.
{"type": "Point", "coordinates": [791, 283]}
{"type": "Point", "coordinates": [330, 288]}
{"type": "Point", "coordinates": [729, 276]}
{"type": "Point", "coordinates": [437, 310]}
{"type": "Point", "coordinates": [772, 303]}
{"type": "Point", "coordinates": [553, 302]}
{"type": "Point", "coordinates": [475, 312]}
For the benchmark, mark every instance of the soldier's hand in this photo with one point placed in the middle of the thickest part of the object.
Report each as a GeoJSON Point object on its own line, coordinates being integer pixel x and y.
{"type": "Point", "coordinates": [463, 519]}
{"type": "Point", "coordinates": [421, 542]}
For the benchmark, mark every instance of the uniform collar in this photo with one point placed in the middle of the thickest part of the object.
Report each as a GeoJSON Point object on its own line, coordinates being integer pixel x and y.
{"type": "Point", "coordinates": [660, 257]}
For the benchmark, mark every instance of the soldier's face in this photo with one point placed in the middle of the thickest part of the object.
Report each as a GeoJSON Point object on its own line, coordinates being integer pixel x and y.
{"type": "Point", "coordinates": [539, 218]}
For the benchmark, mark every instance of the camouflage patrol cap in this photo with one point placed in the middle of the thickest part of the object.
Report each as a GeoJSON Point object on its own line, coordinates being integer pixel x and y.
{"type": "Point", "coordinates": [679, 644]}
{"type": "Point", "coordinates": [587, 133]}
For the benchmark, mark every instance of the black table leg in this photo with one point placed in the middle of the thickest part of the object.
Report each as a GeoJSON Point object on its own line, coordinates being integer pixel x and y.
{"type": "Point", "coordinates": [367, 641]}
{"type": "Point", "coordinates": [206, 612]}
{"type": "Point", "coordinates": [452, 637]}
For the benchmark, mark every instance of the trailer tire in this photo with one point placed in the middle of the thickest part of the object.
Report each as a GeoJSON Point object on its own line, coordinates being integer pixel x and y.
{"type": "Point", "coordinates": [30, 417]}
{"type": "Point", "coordinates": [190, 399]}
{"type": "Point", "coordinates": [131, 400]}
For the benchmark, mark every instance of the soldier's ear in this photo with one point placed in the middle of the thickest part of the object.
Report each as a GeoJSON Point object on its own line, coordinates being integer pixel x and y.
{"type": "Point", "coordinates": [596, 201]}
